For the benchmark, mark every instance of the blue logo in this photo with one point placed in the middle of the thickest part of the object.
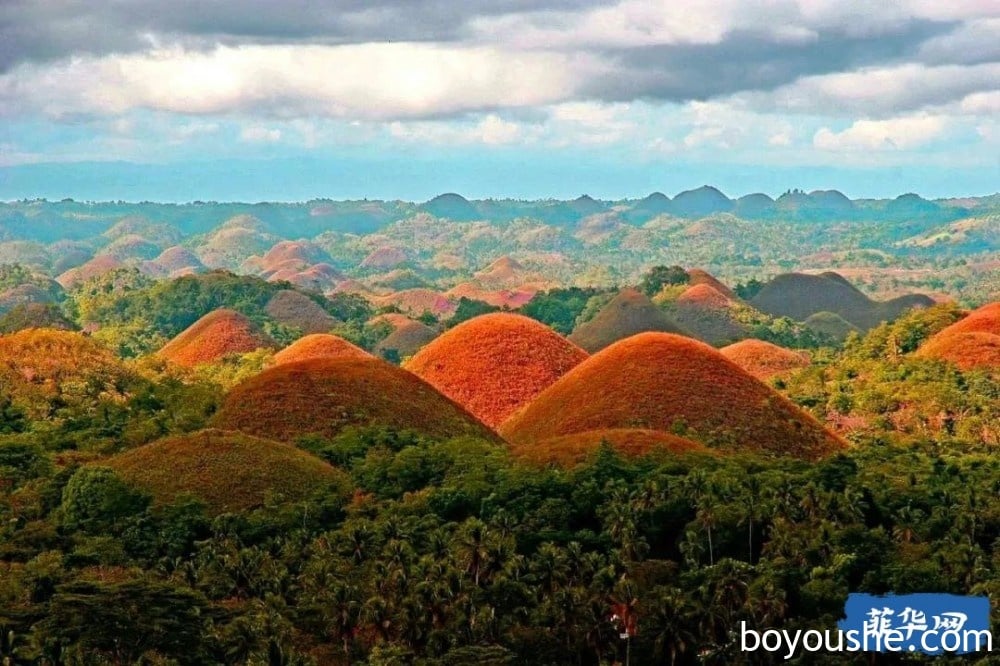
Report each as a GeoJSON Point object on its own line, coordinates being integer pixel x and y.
{"type": "Point", "coordinates": [927, 623]}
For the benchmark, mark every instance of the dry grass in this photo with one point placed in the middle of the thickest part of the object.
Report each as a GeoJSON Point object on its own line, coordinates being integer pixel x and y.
{"type": "Point", "coordinates": [707, 314]}
{"type": "Point", "coordinates": [967, 350]}
{"type": "Point", "coordinates": [297, 310]}
{"type": "Point", "coordinates": [569, 450]}
{"type": "Point", "coordinates": [407, 339]}
{"type": "Point", "coordinates": [319, 346]}
{"type": "Point", "coordinates": [228, 471]}
{"type": "Point", "coordinates": [831, 325]}
{"type": "Point", "coordinates": [323, 396]}
{"type": "Point", "coordinates": [215, 335]}
{"type": "Point", "coordinates": [982, 320]}
{"type": "Point", "coordinates": [628, 313]}
{"type": "Point", "coordinates": [418, 301]}
{"type": "Point", "coordinates": [764, 360]}
{"type": "Point", "coordinates": [494, 364]}
{"type": "Point", "coordinates": [697, 276]}
{"type": "Point", "coordinates": [384, 257]}
{"type": "Point", "coordinates": [670, 383]}
{"type": "Point", "coordinates": [99, 265]}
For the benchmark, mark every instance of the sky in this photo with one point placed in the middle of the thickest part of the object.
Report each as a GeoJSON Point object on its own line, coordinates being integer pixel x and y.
{"type": "Point", "coordinates": [266, 100]}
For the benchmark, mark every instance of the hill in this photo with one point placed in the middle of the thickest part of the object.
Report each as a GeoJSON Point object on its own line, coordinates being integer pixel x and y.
{"type": "Point", "coordinates": [215, 335]}
{"type": "Point", "coordinates": [698, 276]}
{"type": "Point", "coordinates": [799, 295]}
{"type": "Point", "coordinates": [450, 206]}
{"type": "Point", "coordinates": [971, 342]}
{"type": "Point", "coordinates": [324, 396]}
{"type": "Point", "coordinates": [762, 359]}
{"type": "Point", "coordinates": [568, 450]}
{"type": "Point", "coordinates": [628, 313]}
{"type": "Point", "coordinates": [496, 363]}
{"type": "Point", "coordinates": [670, 383]}
{"type": "Point", "coordinates": [319, 346]}
{"type": "Point", "coordinates": [99, 265]}
{"type": "Point", "coordinates": [707, 315]}
{"type": "Point", "coordinates": [701, 202]}
{"type": "Point", "coordinates": [417, 302]}
{"type": "Point", "coordinates": [831, 325]}
{"type": "Point", "coordinates": [406, 339]}
{"type": "Point", "coordinates": [295, 309]}
{"type": "Point", "coordinates": [228, 471]}
{"type": "Point", "coordinates": [176, 260]}
{"type": "Point", "coordinates": [968, 351]}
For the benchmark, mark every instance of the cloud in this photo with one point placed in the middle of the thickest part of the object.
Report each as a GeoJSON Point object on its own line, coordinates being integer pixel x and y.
{"type": "Point", "coordinates": [490, 129]}
{"type": "Point", "coordinates": [370, 81]}
{"type": "Point", "coordinates": [258, 134]}
{"type": "Point", "coordinates": [893, 134]}
{"type": "Point", "coordinates": [881, 91]}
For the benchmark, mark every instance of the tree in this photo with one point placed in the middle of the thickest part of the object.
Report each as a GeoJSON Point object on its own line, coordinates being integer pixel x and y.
{"type": "Point", "coordinates": [659, 277]}
{"type": "Point", "coordinates": [96, 501]}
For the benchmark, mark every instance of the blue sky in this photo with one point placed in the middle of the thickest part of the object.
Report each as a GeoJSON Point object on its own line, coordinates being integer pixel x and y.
{"type": "Point", "coordinates": [524, 98]}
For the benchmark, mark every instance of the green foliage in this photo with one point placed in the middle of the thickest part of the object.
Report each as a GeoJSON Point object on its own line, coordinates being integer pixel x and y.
{"type": "Point", "coordinates": [559, 308]}
{"type": "Point", "coordinates": [96, 501]}
{"type": "Point", "coordinates": [467, 309]}
{"type": "Point", "coordinates": [658, 277]}
{"type": "Point", "coordinates": [747, 290]}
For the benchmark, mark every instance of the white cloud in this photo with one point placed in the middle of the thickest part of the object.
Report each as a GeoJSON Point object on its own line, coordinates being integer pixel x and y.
{"type": "Point", "coordinates": [367, 81]}
{"type": "Point", "coordinates": [491, 129]}
{"type": "Point", "coordinates": [259, 134]}
{"type": "Point", "coordinates": [880, 91]}
{"type": "Point", "coordinates": [894, 134]}
{"type": "Point", "coordinates": [983, 103]}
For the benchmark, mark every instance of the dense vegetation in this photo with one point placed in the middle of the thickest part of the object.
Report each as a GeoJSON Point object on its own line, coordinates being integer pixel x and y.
{"type": "Point", "coordinates": [452, 551]}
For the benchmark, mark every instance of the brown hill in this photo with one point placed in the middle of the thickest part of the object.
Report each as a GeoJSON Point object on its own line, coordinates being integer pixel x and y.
{"type": "Point", "coordinates": [213, 336]}
{"type": "Point", "coordinates": [670, 383]}
{"type": "Point", "coordinates": [228, 471]}
{"type": "Point", "coordinates": [707, 314]}
{"type": "Point", "coordinates": [406, 340]}
{"type": "Point", "coordinates": [831, 325]}
{"type": "Point", "coordinates": [324, 396]}
{"type": "Point", "coordinates": [508, 298]}
{"type": "Point", "coordinates": [628, 313]}
{"type": "Point", "coordinates": [698, 276]}
{"type": "Point", "coordinates": [762, 359]}
{"type": "Point", "coordinates": [568, 450]}
{"type": "Point", "coordinates": [318, 346]}
{"type": "Point", "coordinates": [99, 265]}
{"type": "Point", "coordinates": [496, 363]}
{"type": "Point", "coordinates": [799, 295]}
{"type": "Point", "coordinates": [967, 350]}
{"type": "Point", "coordinates": [177, 258]}
{"type": "Point", "coordinates": [982, 320]}
{"type": "Point", "coordinates": [293, 254]}
{"type": "Point", "coordinates": [417, 302]}
{"type": "Point", "coordinates": [384, 257]}
{"type": "Point", "coordinates": [297, 310]}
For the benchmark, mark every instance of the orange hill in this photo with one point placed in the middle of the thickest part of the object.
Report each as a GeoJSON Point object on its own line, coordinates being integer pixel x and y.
{"type": "Point", "coordinates": [213, 336]}
{"type": "Point", "coordinates": [494, 364]}
{"type": "Point", "coordinates": [324, 396]}
{"type": "Point", "coordinates": [762, 359]}
{"type": "Point", "coordinates": [568, 450]}
{"type": "Point", "coordinates": [971, 342]}
{"type": "Point", "coordinates": [228, 471]}
{"type": "Point", "coordinates": [628, 313]}
{"type": "Point", "coordinates": [982, 320]}
{"type": "Point", "coordinates": [671, 383]}
{"type": "Point", "coordinates": [698, 276]}
{"type": "Point", "coordinates": [966, 350]}
{"type": "Point", "coordinates": [317, 346]}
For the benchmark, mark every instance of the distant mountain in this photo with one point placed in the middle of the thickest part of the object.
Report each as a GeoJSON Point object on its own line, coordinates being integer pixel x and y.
{"type": "Point", "coordinates": [451, 206]}
{"type": "Point", "coordinates": [754, 205]}
{"type": "Point", "coordinates": [702, 202]}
